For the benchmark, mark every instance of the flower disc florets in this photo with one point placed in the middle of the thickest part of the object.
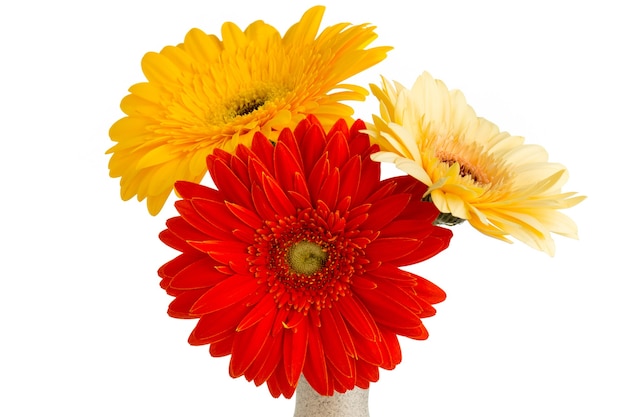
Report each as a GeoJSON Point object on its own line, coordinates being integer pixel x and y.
{"type": "Point", "coordinates": [306, 264]}
{"type": "Point", "coordinates": [292, 263]}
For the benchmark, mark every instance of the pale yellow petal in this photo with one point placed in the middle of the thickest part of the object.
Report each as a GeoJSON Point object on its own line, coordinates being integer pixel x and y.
{"type": "Point", "coordinates": [406, 165]}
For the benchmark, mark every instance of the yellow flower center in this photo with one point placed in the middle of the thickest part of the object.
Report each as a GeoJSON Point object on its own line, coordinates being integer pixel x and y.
{"type": "Point", "coordinates": [306, 257]}
{"type": "Point", "coordinates": [246, 102]}
{"type": "Point", "coordinates": [250, 106]}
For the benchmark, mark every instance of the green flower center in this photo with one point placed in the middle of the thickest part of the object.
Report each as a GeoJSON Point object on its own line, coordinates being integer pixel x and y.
{"type": "Point", "coordinates": [306, 257]}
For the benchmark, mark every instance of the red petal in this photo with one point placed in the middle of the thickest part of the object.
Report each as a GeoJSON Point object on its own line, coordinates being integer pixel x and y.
{"type": "Point", "coordinates": [173, 267]}
{"type": "Point", "coordinates": [426, 309]}
{"type": "Point", "coordinates": [288, 140]}
{"type": "Point", "coordinates": [266, 306]}
{"type": "Point", "coordinates": [190, 190]}
{"type": "Point", "coordinates": [300, 185]}
{"type": "Point", "coordinates": [218, 154]}
{"type": "Point", "coordinates": [429, 291]}
{"type": "Point", "coordinates": [419, 333]}
{"type": "Point", "coordinates": [392, 347]}
{"type": "Point", "coordinates": [366, 373]}
{"type": "Point", "coordinates": [391, 248]}
{"type": "Point", "coordinates": [333, 345]}
{"type": "Point", "coordinates": [184, 231]}
{"type": "Point", "coordinates": [346, 336]}
{"type": "Point", "coordinates": [277, 197]}
{"type": "Point", "coordinates": [278, 384]}
{"type": "Point", "coordinates": [208, 217]}
{"type": "Point", "coordinates": [279, 322]}
{"type": "Point", "coordinates": [245, 234]}
{"type": "Point", "coordinates": [385, 210]}
{"type": "Point", "coordinates": [370, 180]}
{"type": "Point", "coordinates": [299, 200]}
{"type": "Point", "coordinates": [233, 189]}
{"type": "Point", "coordinates": [420, 211]}
{"type": "Point", "coordinates": [414, 228]}
{"type": "Point", "coordinates": [357, 216]}
{"type": "Point", "coordinates": [233, 253]}
{"type": "Point", "coordinates": [363, 283]}
{"type": "Point", "coordinates": [359, 142]}
{"type": "Point", "coordinates": [264, 150]}
{"type": "Point", "coordinates": [261, 204]}
{"type": "Point", "coordinates": [314, 141]}
{"type": "Point", "coordinates": [350, 175]}
{"type": "Point", "coordinates": [198, 274]}
{"type": "Point", "coordinates": [240, 169]}
{"type": "Point", "coordinates": [217, 326]}
{"type": "Point", "coordinates": [244, 214]}
{"type": "Point", "coordinates": [368, 350]}
{"type": "Point", "coordinates": [181, 306]}
{"type": "Point", "coordinates": [383, 190]}
{"type": "Point", "coordinates": [302, 127]}
{"type": "Point", "coordinates": [388, 311]}
{"type": "Point", "coordinates": [248, 344]}
{"type": "Point", "coordinates": [390, 272]}
{"type": "Point", "coordinates": [330, 189]}
{"type": "Point", "coordinates": [260, 371]}
{"type": "Point", "coordinates": [222, 250]}
{"type": "Point", "coordinates": [173, 241]}
{"type": "Point", "coordinates": [408, 184]}
{"type": "Point", "coordinates": [317, 176]}
{"type": "Point", "coordinates": [286, 165]}
{"type": "Point", "coordinates": [431, 246]}
{"type": "Point", "coordinates": [337, 148]}
{"type": "Point", "coordinates": [358, 317]}
{"type": "Point", "coordinates": [315, 370]}
{"type": "Point", "coordinates": [294, 351]}
{"type": "Point", "coordinates": [228, 292]}
{"type": "Point", "coordinates": [340, 127]}
{"type": "Point", "coordinates": [223, 347]}
{"type": "Point", "coordinates": [256, 170]}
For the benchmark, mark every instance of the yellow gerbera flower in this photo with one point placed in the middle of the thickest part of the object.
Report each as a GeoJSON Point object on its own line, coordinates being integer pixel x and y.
{"type": "Point", "coordinates": [500, 185]}
{"type": "Point", "coordinates": [207, 93]}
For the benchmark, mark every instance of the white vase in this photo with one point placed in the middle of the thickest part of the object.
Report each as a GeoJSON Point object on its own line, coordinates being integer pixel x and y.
{"type": "Point", "coordinates": [309, 403]}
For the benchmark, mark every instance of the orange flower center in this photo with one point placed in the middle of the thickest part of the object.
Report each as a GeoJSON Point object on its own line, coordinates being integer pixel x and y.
{"type": "Point", "coordinates": [466, 168]}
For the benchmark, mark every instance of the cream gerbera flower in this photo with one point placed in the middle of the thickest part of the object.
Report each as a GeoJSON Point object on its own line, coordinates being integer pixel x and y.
{"type": "Point", "coordinates": [500, 185]}
{"type": "Point", "coordinates": [207, 93]}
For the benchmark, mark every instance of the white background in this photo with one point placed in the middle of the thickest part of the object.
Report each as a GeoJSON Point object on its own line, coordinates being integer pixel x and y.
{"type": "Point", "coordinates": [82, 318]}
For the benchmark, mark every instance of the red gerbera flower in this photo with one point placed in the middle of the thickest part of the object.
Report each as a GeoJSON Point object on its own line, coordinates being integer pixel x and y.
{"type": "Point", "coordinates": [292, 264]}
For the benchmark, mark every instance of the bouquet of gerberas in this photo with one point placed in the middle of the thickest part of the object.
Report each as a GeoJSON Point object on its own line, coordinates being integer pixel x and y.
{"type": "Point", "coordinates": [292, 263]}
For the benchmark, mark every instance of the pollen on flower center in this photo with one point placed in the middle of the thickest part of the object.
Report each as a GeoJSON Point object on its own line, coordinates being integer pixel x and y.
{"type": "Point", "coordinates": [246, 102]}
{"type": "Point", "coordinates": [466, 168]}
{"type": "Point", "coordinates": [306, 257]}
{"type": "Point", "coordinates": [250, 106]}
